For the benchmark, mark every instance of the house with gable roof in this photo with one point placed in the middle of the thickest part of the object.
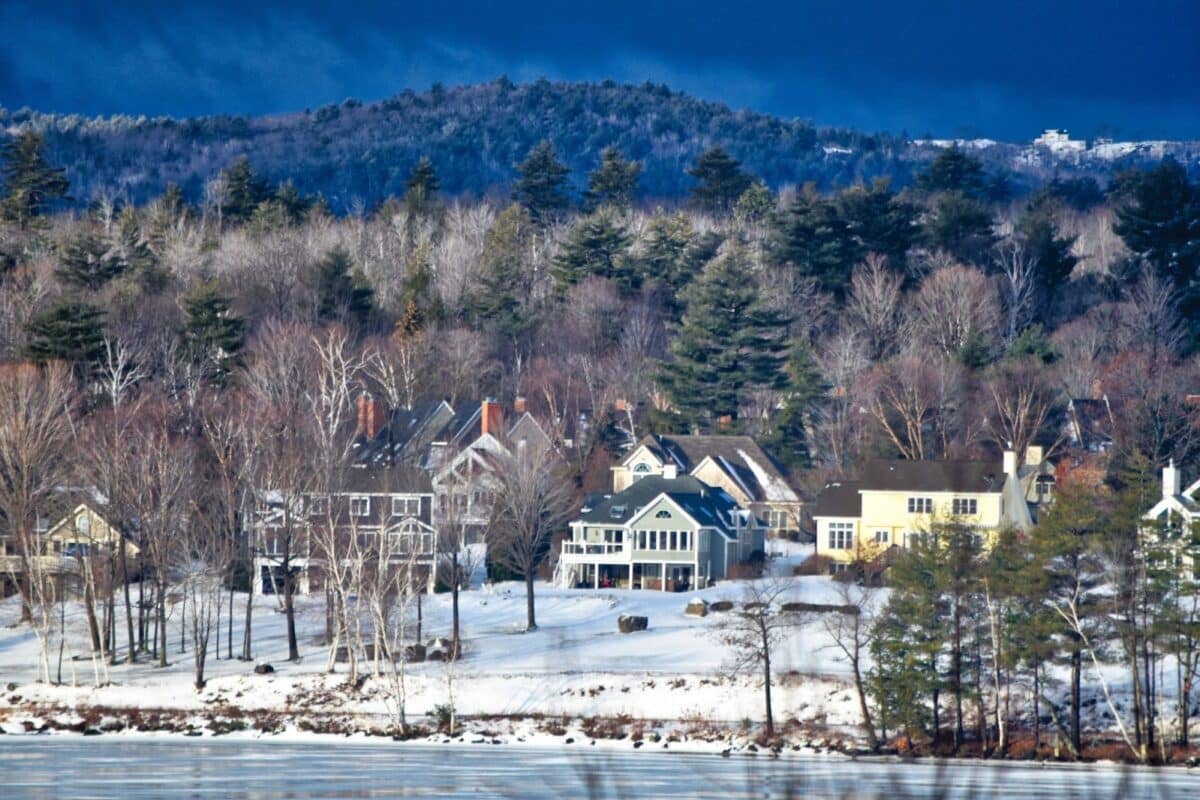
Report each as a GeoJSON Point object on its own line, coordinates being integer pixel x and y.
{"type": "Point", "coordinates": [734, 463]}
{"type": "Point", "coordinates": [893, 502]}
{"type": "Point", "coordinates": [666, 532]}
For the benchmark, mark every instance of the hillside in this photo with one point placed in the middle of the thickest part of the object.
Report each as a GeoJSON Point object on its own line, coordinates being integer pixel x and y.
{"type": "Point", "coordinates": [358, 152]}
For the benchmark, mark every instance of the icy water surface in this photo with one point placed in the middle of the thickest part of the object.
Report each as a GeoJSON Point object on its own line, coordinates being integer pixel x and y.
{"type": "Point", "coordinates": [135, 769]}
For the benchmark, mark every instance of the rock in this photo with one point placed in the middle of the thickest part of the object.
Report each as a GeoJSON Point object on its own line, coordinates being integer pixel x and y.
{"type": "Point", "coordinates": [720, 605]}
{"type": "Point", "coordinates": [263, 669]}
{"type": "Point", "coordinates": [628, 623]}
{"type": "Point", "coordinates": [696, 608]}
{"type": "Point", "coordinates": [435, 655]}
{"type": "Point", "coordinates": [438, 643]}
{"type": "Point", "coordinates": [414, 653]}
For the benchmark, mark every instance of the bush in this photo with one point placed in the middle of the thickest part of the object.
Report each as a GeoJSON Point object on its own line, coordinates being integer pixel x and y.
{"type": "Point", "coordinates": [443, 713]}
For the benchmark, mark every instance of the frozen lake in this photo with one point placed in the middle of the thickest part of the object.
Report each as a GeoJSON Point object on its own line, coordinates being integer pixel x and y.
{"type": "Point", "coordinates": [133, 769]}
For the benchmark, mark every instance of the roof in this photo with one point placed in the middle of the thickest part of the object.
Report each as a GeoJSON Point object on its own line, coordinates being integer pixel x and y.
{"type": "Point", "coordinates": [709, 506]}
{"type": "Point", "coordinates": [839, 500]}
{"type": "Point", "coordinates": [933, 476]}
{"type": "Point", "coordinates": [740, 457]}
{"type": "Point", "coordinates": [1091, 423]}
{"type": "Point", "coordinates": [396, 479]}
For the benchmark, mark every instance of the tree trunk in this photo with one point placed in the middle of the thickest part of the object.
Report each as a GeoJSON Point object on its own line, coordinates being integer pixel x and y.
{"type": "Point", "coordinates": [162, 622]}
{"type": "Point", "coordinates": [454, 588]}
{"type": "Point", "coordinates": [530, 621]}
{"type": "Point", "coordinates": [766, 645]}
{"type": "Point", "coordinates": [289, 607]}
{"type": "Point", "coordinates": [1076, 670]}
{"type": "Point", "coordinates": [246, 632]}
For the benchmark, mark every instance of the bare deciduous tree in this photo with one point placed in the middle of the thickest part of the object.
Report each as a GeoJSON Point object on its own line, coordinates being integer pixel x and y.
{"type": "Point", "coordinates": [953, 306]}
{"type": "Point", "coordinates": [874, 304]}
{"type": "Point", "coordinates": [532, 501]}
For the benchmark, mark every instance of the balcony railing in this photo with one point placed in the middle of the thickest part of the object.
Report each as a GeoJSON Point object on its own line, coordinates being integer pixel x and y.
{"type": "Point", "coordinates": [572, 548]}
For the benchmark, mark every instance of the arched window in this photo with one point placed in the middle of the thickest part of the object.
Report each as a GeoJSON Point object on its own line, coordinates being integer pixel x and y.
{"type": "Point", "coordinates": [664, 514]}
{"type": "Point", "coordinates": [640, 470]}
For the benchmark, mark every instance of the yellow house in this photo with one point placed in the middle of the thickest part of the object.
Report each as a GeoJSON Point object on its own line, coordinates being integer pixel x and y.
{"type": "Point", "coordinates": [83, 532]}
{"type": "Point", "coordinates": [895, 501]}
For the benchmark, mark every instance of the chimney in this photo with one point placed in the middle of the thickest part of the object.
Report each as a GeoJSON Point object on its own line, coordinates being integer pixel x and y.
{"type": "Point", "coordinates": [1010, 462]}
{"type": "Point", "coordinates": [491, 417]}
{"type": "Point", "coordinates": [519, 405]}
{"type": "Point", "coordinates": [376, 414]}
{"type": "Point", "coordinates": [670, 472]}
{"type": "Point", "coordinates": [364, 402]}
{"type": "Point", "coordinates": [724, 422]}
{"type": "Point", "coordinates": [1034, 455]}
{"type": "Point", "coordinates": [1170, 479]}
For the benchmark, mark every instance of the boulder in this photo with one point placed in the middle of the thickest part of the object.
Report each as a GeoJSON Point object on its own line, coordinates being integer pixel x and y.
{"type": "Point", "coordinates": [414, 653]}
{"type": "Point", "coordinates": [696, 608]}
{"type": "Point", "coordinates": [263, 669]}
{"type": "Point", "coordinates": [628, 623]}
{"type": "Point", "coordinates": [720, 605]}
{"type": "Point", "coordinates": [436, 655]}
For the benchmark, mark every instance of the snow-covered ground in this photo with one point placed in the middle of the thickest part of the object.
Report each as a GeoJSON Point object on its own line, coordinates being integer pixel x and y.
{"type": "Point", "coordinates": [575, 664]}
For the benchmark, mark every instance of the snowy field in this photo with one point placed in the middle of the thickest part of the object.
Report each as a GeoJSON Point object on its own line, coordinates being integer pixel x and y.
{"type": "Point", "coordinates": [576, 663]}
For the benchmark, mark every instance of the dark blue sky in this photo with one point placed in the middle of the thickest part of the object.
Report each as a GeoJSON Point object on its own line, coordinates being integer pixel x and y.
{"type": "Point", "coordinates": [959, 67]}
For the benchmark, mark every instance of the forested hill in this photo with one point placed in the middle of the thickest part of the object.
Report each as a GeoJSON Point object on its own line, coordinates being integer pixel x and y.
{"type": "Point", "coordinates": [364, 152]}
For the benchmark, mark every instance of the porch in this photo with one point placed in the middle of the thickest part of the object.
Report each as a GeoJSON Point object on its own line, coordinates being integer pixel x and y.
{"type": "Point", "coordinates": [662, 576]}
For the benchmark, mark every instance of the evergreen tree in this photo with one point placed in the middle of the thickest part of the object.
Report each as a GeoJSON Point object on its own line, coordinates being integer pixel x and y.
{"type": "Point", "coordinates": [961, 226]}
{"type": "Point", "coordinates": [244, 190]}
{"type": "Point", "coordinates": [811, 236]}
{"type": "Point", "coordinates": [541, 187]}
{"type": "Point", "coordinates": [1158, 218]}
{"type": "Point", "coordinates": [342, 292]}
{"type": "Point", "coordinates": [787, 437]}
{"type": "Point", "coordinates": [598, 246]}
{"type": "Point", "coordinates": [954, 171]}
{"type": "Point", "coordinates": [672, 254]}
{"type": "Point", "coordinates": [501, 295]}
{"type": "Point", "coordinates": [295, 206]}
{"type": "Point", "coordinates": [719, 181]}
{"type": "Point", "coordinates": [164, 216]}
{"type": "Point", "coordinates": [70, 331]}
{"type": "Point", "coordinates": [422, 186]}
{"type": "Point", "coordinates": [728, 343]}
{"type": "Point", "coordinates": [30, 183]}
{"type": "Point", "coordinates": [418, 298]}
{"type": "Point", "coordinates": [88, 262]}
{"type": "Point", "coordinates": [212, 335]}
{"type": "Point", "coordinates": [613, 183]}
{"type": "Point", "coordinates": [755, 205]}
{"type": "Point", "coordinates": [879, 221]}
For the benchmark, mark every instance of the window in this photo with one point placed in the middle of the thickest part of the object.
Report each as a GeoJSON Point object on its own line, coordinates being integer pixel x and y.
{"type": "Point", "coordinates": [406, 506]}
{"type": "Point", "coordinates": [653, 536]}
{"type": "Point", "coordinates": [612, 536]}
{"type": "Point", "coordinates": [881, 537]}
{"type": "Point", "coordinates": [360, 506]}
{"type": "Point", "coordinates": [317, 506]}
{"type": "Point", "coordinates": [920, 505]}
{"type": "Point", "coordinates": [83, 524]}
{"type": "Point", "coordinates": [673, 544]}
{"type": "Point", "coordinates": [640, 470]}
{"type": "Point", "coordinates": [964, 505]}
{"type": "Point", "coordinates": [664, 514]}
{"type": "Point", "coordinates": [841, 535]}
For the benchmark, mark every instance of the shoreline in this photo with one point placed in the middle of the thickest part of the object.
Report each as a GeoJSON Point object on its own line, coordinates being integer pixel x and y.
{"type": "Point", "coordinates": [526, 732]}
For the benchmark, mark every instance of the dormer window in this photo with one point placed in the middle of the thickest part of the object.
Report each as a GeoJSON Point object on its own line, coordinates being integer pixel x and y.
{"type": "Point", "coordinates": [616, 512]}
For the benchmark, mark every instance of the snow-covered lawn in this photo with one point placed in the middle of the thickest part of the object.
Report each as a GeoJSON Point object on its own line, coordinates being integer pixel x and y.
{"type": "Point", "coordinates": [576, 663]}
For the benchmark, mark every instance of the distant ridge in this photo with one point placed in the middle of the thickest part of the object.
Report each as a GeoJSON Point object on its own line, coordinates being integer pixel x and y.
{"type": "Point", "coordinates": [357, 154]}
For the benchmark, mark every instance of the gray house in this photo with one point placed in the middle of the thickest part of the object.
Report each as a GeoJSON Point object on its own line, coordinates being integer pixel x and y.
{"type": "Point", "coordinates": [664, 532]}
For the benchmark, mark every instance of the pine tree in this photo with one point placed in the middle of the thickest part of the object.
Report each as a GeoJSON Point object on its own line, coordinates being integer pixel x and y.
{"type": "Point", "coordinates": [728, 343]}
{"type": "Point", "coordinates": [70, 331]}
{"type": "Point", "coordinates": [212, 335]}
{"type": "Point", "coordinates": [423, 186]}
{"type": "Point", "coordinates": [541, 187]}
{"type": "Point", "coordinates": [755, 205]}
{"type": "Point", "coordinates": [501, 295]}
{"type": "Point", "coordinates": [598, 246]}
{"type": "Point", "coordinates": [342, 292]}
{"type": "Point", "coordinates": [879, 221]}
{"type": "Point", "coordinates": [613, 183]}
{"type": "Point", "coordinates": [960, 225]}
{"type": "Point", "coordinates": [244, 190]}
{"type": "Point", "coordinates": [811, 236]}
{"type": "Point", "coordinates": [787, 437]}
{"type": "Point", "coordinates": [719, 181]}
{"type": "Point", "coordinates": [295, 206]}
{"type": "Point", "coordinates": [1051, 253]}
{"type": "Point", "coordinates": [30, 183]}
{"type": "Point", "coordinates": [88, 262]}
{"type": "Point", "coordinates": [954, 171]}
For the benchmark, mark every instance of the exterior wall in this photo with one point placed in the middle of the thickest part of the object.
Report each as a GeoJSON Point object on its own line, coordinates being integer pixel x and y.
{"type": "Point", "coordinates": [623, 474]}
{"type": "Point", "coordinates": [713, 475]}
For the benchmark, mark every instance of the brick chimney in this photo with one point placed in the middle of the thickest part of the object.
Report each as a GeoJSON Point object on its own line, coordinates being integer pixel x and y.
{"type": "Point", "coordinates": [371, 415]}
{"type": "Point", "coordinates": [519, 405]}
{"type": "Point", "coordinates": [491, 417]}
